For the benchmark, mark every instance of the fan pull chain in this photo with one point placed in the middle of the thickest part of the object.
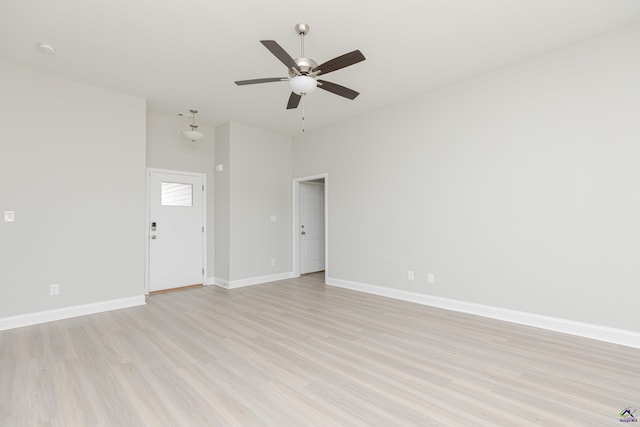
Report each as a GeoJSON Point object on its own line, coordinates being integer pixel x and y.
{"type": "Point", "coordinates": [302, 34]}
{"type": "Point", "coordinates": [303, 114]}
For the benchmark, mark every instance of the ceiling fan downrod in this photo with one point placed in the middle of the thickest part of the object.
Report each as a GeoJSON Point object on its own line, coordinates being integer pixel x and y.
{"type": "Point", "coordinates": [302, 30]}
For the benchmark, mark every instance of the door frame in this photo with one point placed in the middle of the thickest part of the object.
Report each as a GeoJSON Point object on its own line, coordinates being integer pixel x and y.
{"type": "Point", "coordinates": [295, 241]}
{"type": "Point", "coordinates": [147, 246]}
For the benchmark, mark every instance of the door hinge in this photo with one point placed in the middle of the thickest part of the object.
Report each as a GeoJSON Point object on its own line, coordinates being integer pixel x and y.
{"type": "Point", "coordinates": [203, 271]}
{"type": "Point", "coordinates": [203, 229]}
{"type": "Point", "coordinates": [202, 187]}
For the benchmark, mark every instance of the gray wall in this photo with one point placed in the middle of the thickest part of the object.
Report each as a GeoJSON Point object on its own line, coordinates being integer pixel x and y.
{"type": "Point", "coordinates": [72, 168]}
{"type": "Point", "coordinates": [222, 221]}
{"type": "Point", "coordinates": [517, 189]}
{"type": "Point", "coordinates": [255, 185]}
{"type": "Point", "coordinates": [168, 149]}
{"type": "Point", "coordinates": [260, 187]}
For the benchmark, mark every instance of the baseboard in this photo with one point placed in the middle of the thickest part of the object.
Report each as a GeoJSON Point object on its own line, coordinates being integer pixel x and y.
{"type": "Point", "coordinates": [233, 284]}
{"type": "Point", "coordinates": [587, 330]}
{"type": "Point", "coordinates": [209, 281]}
{"type": "Point", "coordinates": [221, 282]}
{"type": "Point", "coordinates": [69, 312]}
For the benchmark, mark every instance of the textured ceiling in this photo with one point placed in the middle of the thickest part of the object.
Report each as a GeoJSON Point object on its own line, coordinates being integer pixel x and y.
{"type": "Point", "coordinates": [186, 54]}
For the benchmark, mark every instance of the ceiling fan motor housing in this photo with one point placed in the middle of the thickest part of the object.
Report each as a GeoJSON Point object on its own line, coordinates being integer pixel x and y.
{"type": "Point", "coordinates": [305, 65]}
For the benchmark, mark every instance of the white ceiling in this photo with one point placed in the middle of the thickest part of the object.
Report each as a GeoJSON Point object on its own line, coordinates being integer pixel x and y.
{"type": "Point", "coordinates": [188, 53]}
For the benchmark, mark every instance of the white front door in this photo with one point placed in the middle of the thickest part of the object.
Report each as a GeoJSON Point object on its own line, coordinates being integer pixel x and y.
{"type": "Point", "coordinates": [176, 230]}
{"type": "Point", "coordinates": [311, 227]}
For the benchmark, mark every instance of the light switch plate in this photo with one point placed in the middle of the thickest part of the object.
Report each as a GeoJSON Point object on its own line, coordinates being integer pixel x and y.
{"type": "Point", "coordinates": [9, 216]}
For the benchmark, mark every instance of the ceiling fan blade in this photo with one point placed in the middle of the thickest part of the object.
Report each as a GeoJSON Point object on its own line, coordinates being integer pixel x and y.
{"type": "Point", "coordinates": [294, 100]}
{"type": "Point", "coordinates": [265, 80]}
{"type": "Point", "coordinates": [340, 62]}
{"type": "Point", "coordinates": [337, 89]}
{"type": "Point", "coordinates": [280, 53]}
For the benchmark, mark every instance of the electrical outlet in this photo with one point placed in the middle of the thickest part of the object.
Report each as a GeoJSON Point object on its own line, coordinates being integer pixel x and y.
{"type": "Point", "coordinates": [54, 289]}
{"type": "Point", "coordinates": [431, 278]}
{"type": "Point", "coordinates": [410, 275]}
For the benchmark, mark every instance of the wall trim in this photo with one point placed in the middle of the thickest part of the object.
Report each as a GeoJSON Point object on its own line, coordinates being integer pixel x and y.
{"type": "Point", "coordinates": [587, 330]}
{"type": "Point", "coordinates": [208, 281]}
{"type": "Point", "coordinates": [233, 284]}
{"type": "Point", "coordinates": [220, 282]}
{"type": "Point", "coordinates": [69, 312]}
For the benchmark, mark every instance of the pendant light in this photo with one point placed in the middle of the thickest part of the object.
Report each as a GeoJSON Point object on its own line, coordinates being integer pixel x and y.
{"type": "Point", "coordinates": [193, 134]}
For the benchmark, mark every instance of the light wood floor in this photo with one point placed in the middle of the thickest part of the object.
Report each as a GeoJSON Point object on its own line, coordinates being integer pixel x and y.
{"type": "Point", "coordinates": [297, 353]}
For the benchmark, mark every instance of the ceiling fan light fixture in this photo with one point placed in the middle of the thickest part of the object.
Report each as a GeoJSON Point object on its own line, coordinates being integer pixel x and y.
{"type": "Point", "coordinates": [303, 85]}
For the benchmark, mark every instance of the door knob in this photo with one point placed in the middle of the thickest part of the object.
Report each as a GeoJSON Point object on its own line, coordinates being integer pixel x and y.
{"type": "Point", "coordinates": [153, 236]}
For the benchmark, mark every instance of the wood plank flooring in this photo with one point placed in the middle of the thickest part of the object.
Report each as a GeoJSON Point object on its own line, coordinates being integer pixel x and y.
{"type": "Point", "coordinates": [300, 353]}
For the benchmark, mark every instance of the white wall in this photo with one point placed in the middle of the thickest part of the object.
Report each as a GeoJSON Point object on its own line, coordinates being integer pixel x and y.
{"type": "Point", "coordinates": [72, 168]}
{"type": "Point", "coordinates": [255, 185]}
{"type": "Point", "coordinates": [518, 188]}
{"type": "Point", "coordinates": [168, 149]}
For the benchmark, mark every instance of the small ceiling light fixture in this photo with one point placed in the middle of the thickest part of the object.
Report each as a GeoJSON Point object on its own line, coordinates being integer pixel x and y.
{"type": "Point", "coordinates": [46, 48]}
{"type": "Point", "coordinates": [193, 134]}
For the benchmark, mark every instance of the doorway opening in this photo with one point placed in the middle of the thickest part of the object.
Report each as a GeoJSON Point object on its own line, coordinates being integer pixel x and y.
{"type": "Point", "coordinates": [310, 242]}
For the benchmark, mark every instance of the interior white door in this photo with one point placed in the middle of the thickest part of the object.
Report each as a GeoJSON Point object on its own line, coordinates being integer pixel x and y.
{"type": "Point", "coordinates": [311, 213]}
{"type": "Point", "coordinates": [176, 222]}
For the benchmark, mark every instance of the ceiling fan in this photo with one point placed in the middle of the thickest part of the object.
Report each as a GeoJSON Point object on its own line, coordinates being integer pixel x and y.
{"type": "Point", "coordinates": [304, 72]}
